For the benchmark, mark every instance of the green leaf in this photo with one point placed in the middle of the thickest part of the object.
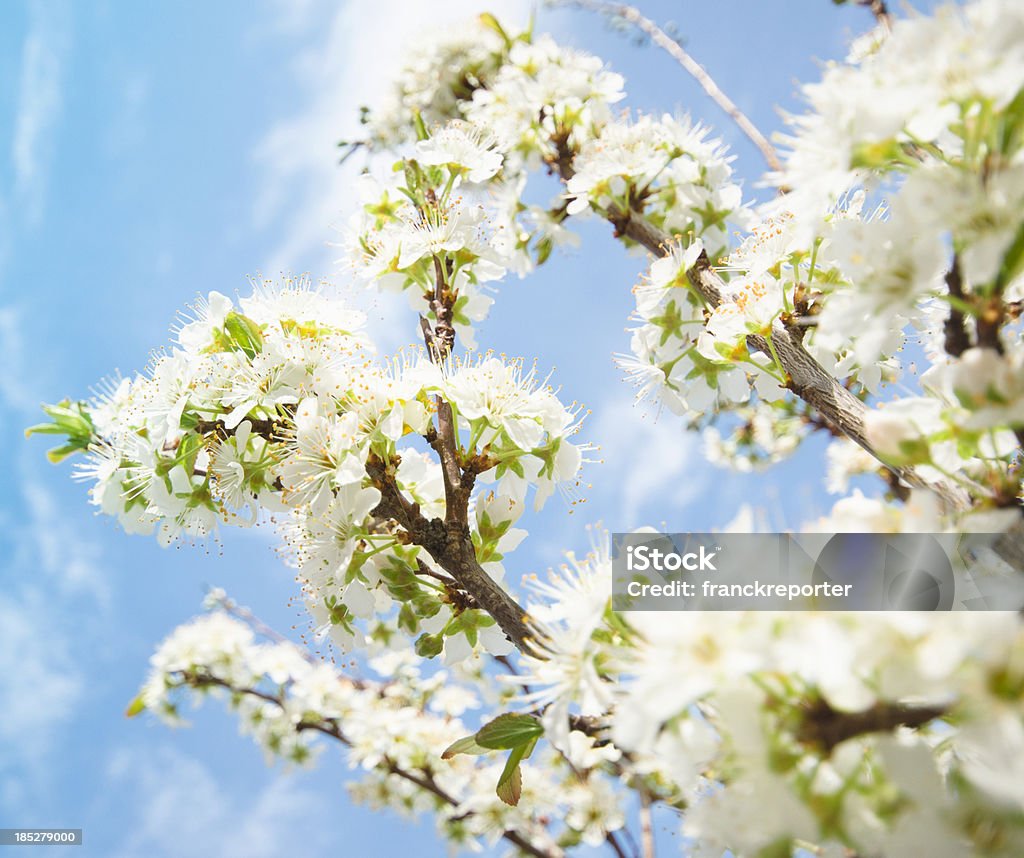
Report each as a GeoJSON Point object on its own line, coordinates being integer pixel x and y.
{"type": "Point", "coordinates": [489, 21]}
{"type": "Point", "coordinates": [510, 782]}
{"type": "Point", "coordinates": [243, 334]}
{"type": "Point", "coordinates": [59, 454]}
{"type": "Point", "coordinates": [511, 730]}
{"type": "Point", "coordinates": [45, 429]}
{"type": "Point", "coordinates": [418, 124]}
{"type": "Point", "coordinates": [135, 707]}
{"type": "Point", "coordinates": [70, 419]}
{"type": "Point", "coordinates": [465, 745]}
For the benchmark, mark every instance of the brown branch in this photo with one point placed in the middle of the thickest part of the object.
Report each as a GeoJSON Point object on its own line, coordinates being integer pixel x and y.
{"type": "Point", "coordinates": [268, 428]}
{"type": "Point", "coordinates": [825, 727]}
{"type": "Point", "coordinates": [989, 321]}
{"type": "Point", "coordinates": [450, 544]}
{"type": "Point", "coordinates": [331, 727]}
{"type": "Point", "coordinates": [956, 341]}
{"type": "Point", "coordinates": [806, 377]}
{"type": "Point", "coordinates": [879, 9]}
{"type": "Point", "coordinates": [663, 40]}
{"type": "Point", "coordinates": [613, 842]}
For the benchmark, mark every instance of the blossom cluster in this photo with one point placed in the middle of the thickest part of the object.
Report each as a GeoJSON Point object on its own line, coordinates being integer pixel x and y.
{"type": "Point", "coordinates": [898, 239]}
{"type": "Point", "coordinates": [696, 364]}
{"type": "Point", "coordinates": [666, 169]}
{"type": "Point", "coordinates": [735, 715]}
{"type": "Point", "coordinates": [900, 208]}
{"type": "Point", "coordinates": [460, 197]}
{"type": "Point", "coordinates": [274, 406]}
{"type": "Point", "coordinates": [926, 119]}
{"type": "Point", "coordinates": [392, 730]}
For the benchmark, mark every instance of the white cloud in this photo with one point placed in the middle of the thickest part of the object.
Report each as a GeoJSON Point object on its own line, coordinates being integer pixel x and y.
{"type": "Point", "coordinates": [169, 787]}
{"type": "Point", "coordinates": [40, 685]}
{"type": "Point", "coordinates": [14, 391]}
{"type": "Point", "coordinates": [651, 466]}
{"type": "Point", "coordinates": [55, 597]}
{"type": "Point", "coordinates": [68, 563]}
{"type": "Point", "coordinates": [39, 103]}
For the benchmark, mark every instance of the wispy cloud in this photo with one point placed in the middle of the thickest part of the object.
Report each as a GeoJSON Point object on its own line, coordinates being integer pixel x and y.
{"type": "Point", "coordinates": [40, 690]}
{"type": "Point", "coordinates": [167, 786]}
{"type": "Point", "coordinates": [652, 467]}
{"type": "Point", "coordinates": [14, 392]}
{"type": "Point", "coordinates": [40, 100]}
{"type": "Point", "coordinates": [54, 598]}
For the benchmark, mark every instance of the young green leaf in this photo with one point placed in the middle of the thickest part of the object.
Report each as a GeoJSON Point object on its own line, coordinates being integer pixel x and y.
{"type": "Point", "coordinates": [465, 745]}
{"type": "Point", "coordinates": [510, 782]}
{"type": "Point", "coordinates": [511, 730]}
{"type": "Point", "coordinates": [135, 707]}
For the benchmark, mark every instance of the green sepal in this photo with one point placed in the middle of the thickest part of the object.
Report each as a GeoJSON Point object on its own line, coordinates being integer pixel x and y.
{"type": "Point", "coordinates": [428, 646]}
{"type": "Point", "coordinates": [188, 451]}
{"type": "Point", "coordinates": [419, 125]}
{"type": "Point", "coordinates": [1013, 261]}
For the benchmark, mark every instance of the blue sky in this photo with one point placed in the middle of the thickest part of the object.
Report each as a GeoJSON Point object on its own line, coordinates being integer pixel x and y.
{"type": "Point", "coordinates": [150, 152]}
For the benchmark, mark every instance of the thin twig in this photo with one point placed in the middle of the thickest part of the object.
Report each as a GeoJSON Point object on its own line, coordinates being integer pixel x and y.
{"type": "Point", "coordinates": [805, 376]}
{"type": "Point", "coordinates": [331, 727]}
{"type": "Point", "coordinates": [646, 826]}
{"type": "Point", "coordinates": [956, 341]}
{"type": "Point", "coordinates": [826, 727]}
{"type": "Point", "coordinates": [879, 9]}
{"type": "Point", "coordinates": [615, 845]}
{"type": "Point", "coordinates": [663, 40]}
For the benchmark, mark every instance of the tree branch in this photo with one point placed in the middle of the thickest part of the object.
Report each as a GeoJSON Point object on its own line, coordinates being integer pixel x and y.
{"type": "Point", "coordinates": [826, 727]}
{"type": "Point", "coordinates": [807, 378]}
{"type": "Point", "coordinates": [450, 542]}
{"type": "Point", "coordinates": [613, 843]}
{"type": "Point", "coordinates": [646, 827]}
{"type": "Point", "coordinates": [331, 727]}
{"type": "Point", "coordinates": [451, 545]}
{"type": "Point", "coordinates": [663, 40]}
{"type": "Point", "coordinates": [269, 428]}
{"type": "Point", "coordinates": [956, 341]}
{"type": "Point", "coordinates": [880, 10]}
